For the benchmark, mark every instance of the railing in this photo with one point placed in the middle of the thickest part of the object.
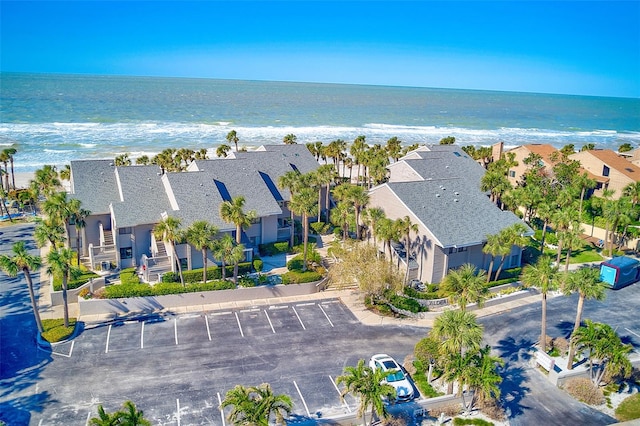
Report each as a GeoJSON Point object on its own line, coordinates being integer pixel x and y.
{"type": "Point", "coordinates": [100, 254]}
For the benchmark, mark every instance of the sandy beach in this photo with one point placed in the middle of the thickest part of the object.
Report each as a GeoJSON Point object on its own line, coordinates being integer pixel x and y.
{"type": "Point", "coordinates": [23, 179]}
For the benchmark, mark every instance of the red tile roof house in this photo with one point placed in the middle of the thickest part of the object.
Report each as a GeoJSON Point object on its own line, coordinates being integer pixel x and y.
{"type": "Point", "coordinates": [610, 170]}
{"type": "Point", "coordinates": [438, 188]}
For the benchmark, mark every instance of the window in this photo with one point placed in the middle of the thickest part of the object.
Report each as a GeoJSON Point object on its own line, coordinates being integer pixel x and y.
{"type": "Point", "coordinates": [126, 253]}
{"type": "Point", "coordinates": [124, 231]}
{"type": "Point", "coordinates": [457, 250]}
{"type": "Point", "coordinates": [605, 171]}
{"type": "Point", "coordinates": [512, 173]}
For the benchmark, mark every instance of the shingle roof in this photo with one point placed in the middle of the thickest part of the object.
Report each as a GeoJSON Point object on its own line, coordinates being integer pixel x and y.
{"type": "Point", "coordinates": [446, 164]}
{"type": "Point", "coordinates": [143, 196]}
{"type": "Point", "coordinates": [455, 211]}
{"type": "Point", "coordinates": [94, 184]}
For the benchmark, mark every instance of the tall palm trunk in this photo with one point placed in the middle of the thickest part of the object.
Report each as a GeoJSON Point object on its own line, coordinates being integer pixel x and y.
{"type": "Point", "coordinates": [576, 326]}
{"type": "Point", "coordinates": [32, 296]}
{"type": "Point", "coordinates": [490, 271]}
{"type": "Point", "coordinates": [543, 326]}
{"type": "Point", "coordinates": [204, 262]}
{"type": "Point", "coordinates": [64, 299]}
{"type": "Point", "coordinates": [544, 235]}
{"type": "Point", "coordinates": [177, 260]}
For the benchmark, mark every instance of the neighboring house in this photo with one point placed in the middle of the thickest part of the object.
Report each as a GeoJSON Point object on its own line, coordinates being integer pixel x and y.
{"type": "Point", "coordinates": [127, 202]}
{"type": "Point", "coordinates": [438, 188]}
{"type": "Point", "coordinates": [611, 171]}
{"type": "Point", "coordinates": [546, 153]}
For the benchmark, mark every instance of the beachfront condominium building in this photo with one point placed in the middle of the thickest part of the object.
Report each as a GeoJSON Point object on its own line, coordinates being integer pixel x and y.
{"type": "Point", "coordinates": [126, 203]}
{"type": "Point", "coordinates": [438, 188]}
{"type": "Point", "coordinates": [610, 170]}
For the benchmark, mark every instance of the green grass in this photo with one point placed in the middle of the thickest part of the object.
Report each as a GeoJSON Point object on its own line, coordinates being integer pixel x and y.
{"type": "Point", "coordinates": [479, 422]}
{"type": "Point", "coordinates": [420, 379]}
{"type": "Point", "coordinates": [629, 409]}
{"type": "Point", "coordinates": [55, 331]}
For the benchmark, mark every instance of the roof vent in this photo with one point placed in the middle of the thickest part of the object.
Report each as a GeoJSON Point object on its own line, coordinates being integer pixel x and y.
{"type": "Point", "coordinates": [456, 193]}
{"type": "Point", "coordinates": [437, 195]}
{"type": "Point", "coordinates": [455, 200]}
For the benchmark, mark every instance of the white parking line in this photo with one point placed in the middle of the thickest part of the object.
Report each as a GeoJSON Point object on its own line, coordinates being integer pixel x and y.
{"type": "Point", "coordinates": [278, 307]}
{"type": "Point", "coordinates": [188, 316]}
{"type": "Point", "coordinates": [635, 334]}
{"type": "Point", "coordinates": [340, 393]}
{"type": "Point", "coordinates": [65, 355]}
{"type": "Point", "coordinates": [306, 304]}
{"type": "Point", "coordinates": [206, 321]}
{"type": "Point", "coordinates": [250, 310]}
{"type": "Point", "coordinates": [325, 314]}
{"type": "Point", "coordinates": [326, 302]}
{"type": "Point", "coordinates": [178, 412]}
{"type": "Point", "coordinates": [175, 329]}
{"type": "Point", "coordinates": [302, 398]}
{"type": "Point", "coordinates": [301, 323]}
{"type": "Point", "coordinates": [239, 326]}
{"type": "Point", "coordinates": [88, 418]}
{"type": "Point", "coordinates": [142, 336]}
{"type": "Point", "coordinates": [213, 314]}
{"type": "Point", "coordinates": [106, 349]}
{"type": "Point", "coordinates": [269, 319]}
{"type": "Point", "coordinates": [220, 408]}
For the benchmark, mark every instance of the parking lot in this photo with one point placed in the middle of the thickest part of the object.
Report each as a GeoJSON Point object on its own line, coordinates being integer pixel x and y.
{"type": "Point", "coordinates": [178, 368]}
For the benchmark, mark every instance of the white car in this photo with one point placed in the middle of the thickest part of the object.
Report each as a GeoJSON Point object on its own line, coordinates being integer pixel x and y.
{"type": "Point", "coordinates": [397, 378]}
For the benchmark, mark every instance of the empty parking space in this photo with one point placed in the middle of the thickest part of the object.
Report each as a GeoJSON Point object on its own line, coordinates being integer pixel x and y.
{"type": "Point", "coordinates": [198, 409]}
{"type": "Point", "coordinates": [255, 322]}
{"type": "Point", "coordinates": [91, 341]}
{"type": "Point", "coordinates": [159, 332]}
{"type": "Point", "coordinates": [321, 395]}
{"type": "Point", "coordinates": [285, 319]}
{"type": "Point", "coordinates": [224, 326]}
{"type": "Point", "coordinates": [123, 336]}
{"type": "Point", "coordinates": [192, 329]}
{"type": "Point", "coordinates": [338, 313]}
{"type": "Point", "coordinates": [313, 316]}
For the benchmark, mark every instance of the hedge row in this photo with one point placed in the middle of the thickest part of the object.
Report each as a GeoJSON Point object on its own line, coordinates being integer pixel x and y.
{"type": "Point", "coordinates": [141, 289]}
{"type": "Point", "coordinates": [272, 249]}
{"type": "Point", "coordinates": [406, 303]}
{"type": "Point", "coordinates": [213, 273]}
{"type": "Point", "coordinates": [82, 279]}
{"type": "Point", "coordinates": [299, 277]}
{"type": "Point", "coordinates": [129, 276]}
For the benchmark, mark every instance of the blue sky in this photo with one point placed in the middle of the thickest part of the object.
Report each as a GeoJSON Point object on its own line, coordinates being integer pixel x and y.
{"type": "Point", "coordinates": [569, 47]}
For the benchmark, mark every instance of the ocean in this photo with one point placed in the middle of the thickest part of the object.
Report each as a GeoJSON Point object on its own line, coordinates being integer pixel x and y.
{"type": "Point", "coordinates": [53, 119]}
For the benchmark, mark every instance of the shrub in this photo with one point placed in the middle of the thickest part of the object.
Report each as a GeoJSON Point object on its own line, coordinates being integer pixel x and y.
{"type": "Point", "coordinates": [164, 288]}
{"type": "Point", "coordinates": [295, 264]}
{"type": "Point", "coordinates": [584, 390]}
{"type": "Point", "coordinates": [84, 293]}
{"type": "Point", "coordinates": [406, 303]}
{"type": "Point", "coordinates": [479, 422]}
{"type": "Point", "coordinates": [213, 273]}
{"type": "Point", "coordinates": [561, 344]}
{"type": "Point", "coordinates": [421, 380]}
{"type": "Point", "coordinates": [128, 290]}
{"type": "Point", "coordinates": [82, 279]}
{"type": "Point", "coordinates": [424, 295]}
{"type": "Point", "coordinates": [321, 227]}
{"type": "Point", "coordinates": [129, 276]}
{"type": "Point", "coordinates": [246, 282]}
{"type": "Point", "coordinates": [629, 409]}
{"type": "Point", "coordinates": [258, 265]}
{"type": "Point", "coordinates": [55, 331]}
{"type": "Point", "coordinates": [299, 277]}
{"type": "Point", "coordinates": [272, 249]}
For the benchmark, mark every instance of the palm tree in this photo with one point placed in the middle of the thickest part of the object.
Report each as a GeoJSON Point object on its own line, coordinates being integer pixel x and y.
{"type": "Point", "coordinates": [355, 196]}
{"type": "Point", "coordinates": [290, 139]}
{"type": "Point", "coordinates": [60, 209]}
{"type": "Point", "coordinates": [369, 385]}
{"type": "Point", "coordinates": [493, 247]}
{"type": "Point", "coordinates": [372, 216]}
{"type": "Point", "coordinates": [25, 262]}
{"type": "Point", "coordinates": [10, 153]}
{"type": "Point", "coordinates": [394, 148]}
{"type": "Point", "coordinates": [122, 160]}
{"type": "Point", "coordinates": [105, 419]}
{"type": "Point", "coordinates": [223, 250]}
{"type": "Point", "coordinates": [291, 180]}
{"type": "Point", "coordinates": [483, 379]}
{"type": "Point", "coordinates": [405, 227]}
{"type": "Point", "coordinates": [385, 228]}
{"type": "Point", "coordinates": [458, 331]}
{"type": "Point", "coordinates": [46, 180]}
{"type": "Point", "coordinates": [465, 286]}
{"type": "Point", "coordinates": [200, 235]}
{"type": "Point", "coordinates": [509, 237]}
{"type": "Point", "coordinates": [254, 405]}
{"type": "Point", "coordinates": [232, 138]}
{"type": "Point", "coordinates": [168, 229]}
{"type": "Point", "coordinates": [49, 231]}
{"type": "Point", "coordinates": [143, 160]}
{"type": "Point", "coordinates": [131, 416]}
{"type": "Point", "coordinates": [544, 277]}
{"type": "Point", "coordinates": [4, 158]}
{"type": "Point", "coordinates": [232, 211]}
{"type": "Point", "coordinates": [587, 283]}
{"type": "Point", "coordinates": [324, 175]}
{"type": "Point", "coordinates": [605, 346]}
{"type": "Point", "coordinates": [60, 264]}
{"type": "Point", "coordinates": [304, 204]}
{"type": "Point", "coordinates": [223, 150]}
{"type": "Point", "coordinates": [340, 217]}
{"type": "Point", "coordinates": [79, 217]}
{"type": "Point", "coordinates": [65, 173]}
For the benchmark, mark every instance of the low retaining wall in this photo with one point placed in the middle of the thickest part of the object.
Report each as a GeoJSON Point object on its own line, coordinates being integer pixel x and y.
{"type": "Point", "coordinates": [72, 295]}
{"type": "Point", "coordinates": [128, 306]}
